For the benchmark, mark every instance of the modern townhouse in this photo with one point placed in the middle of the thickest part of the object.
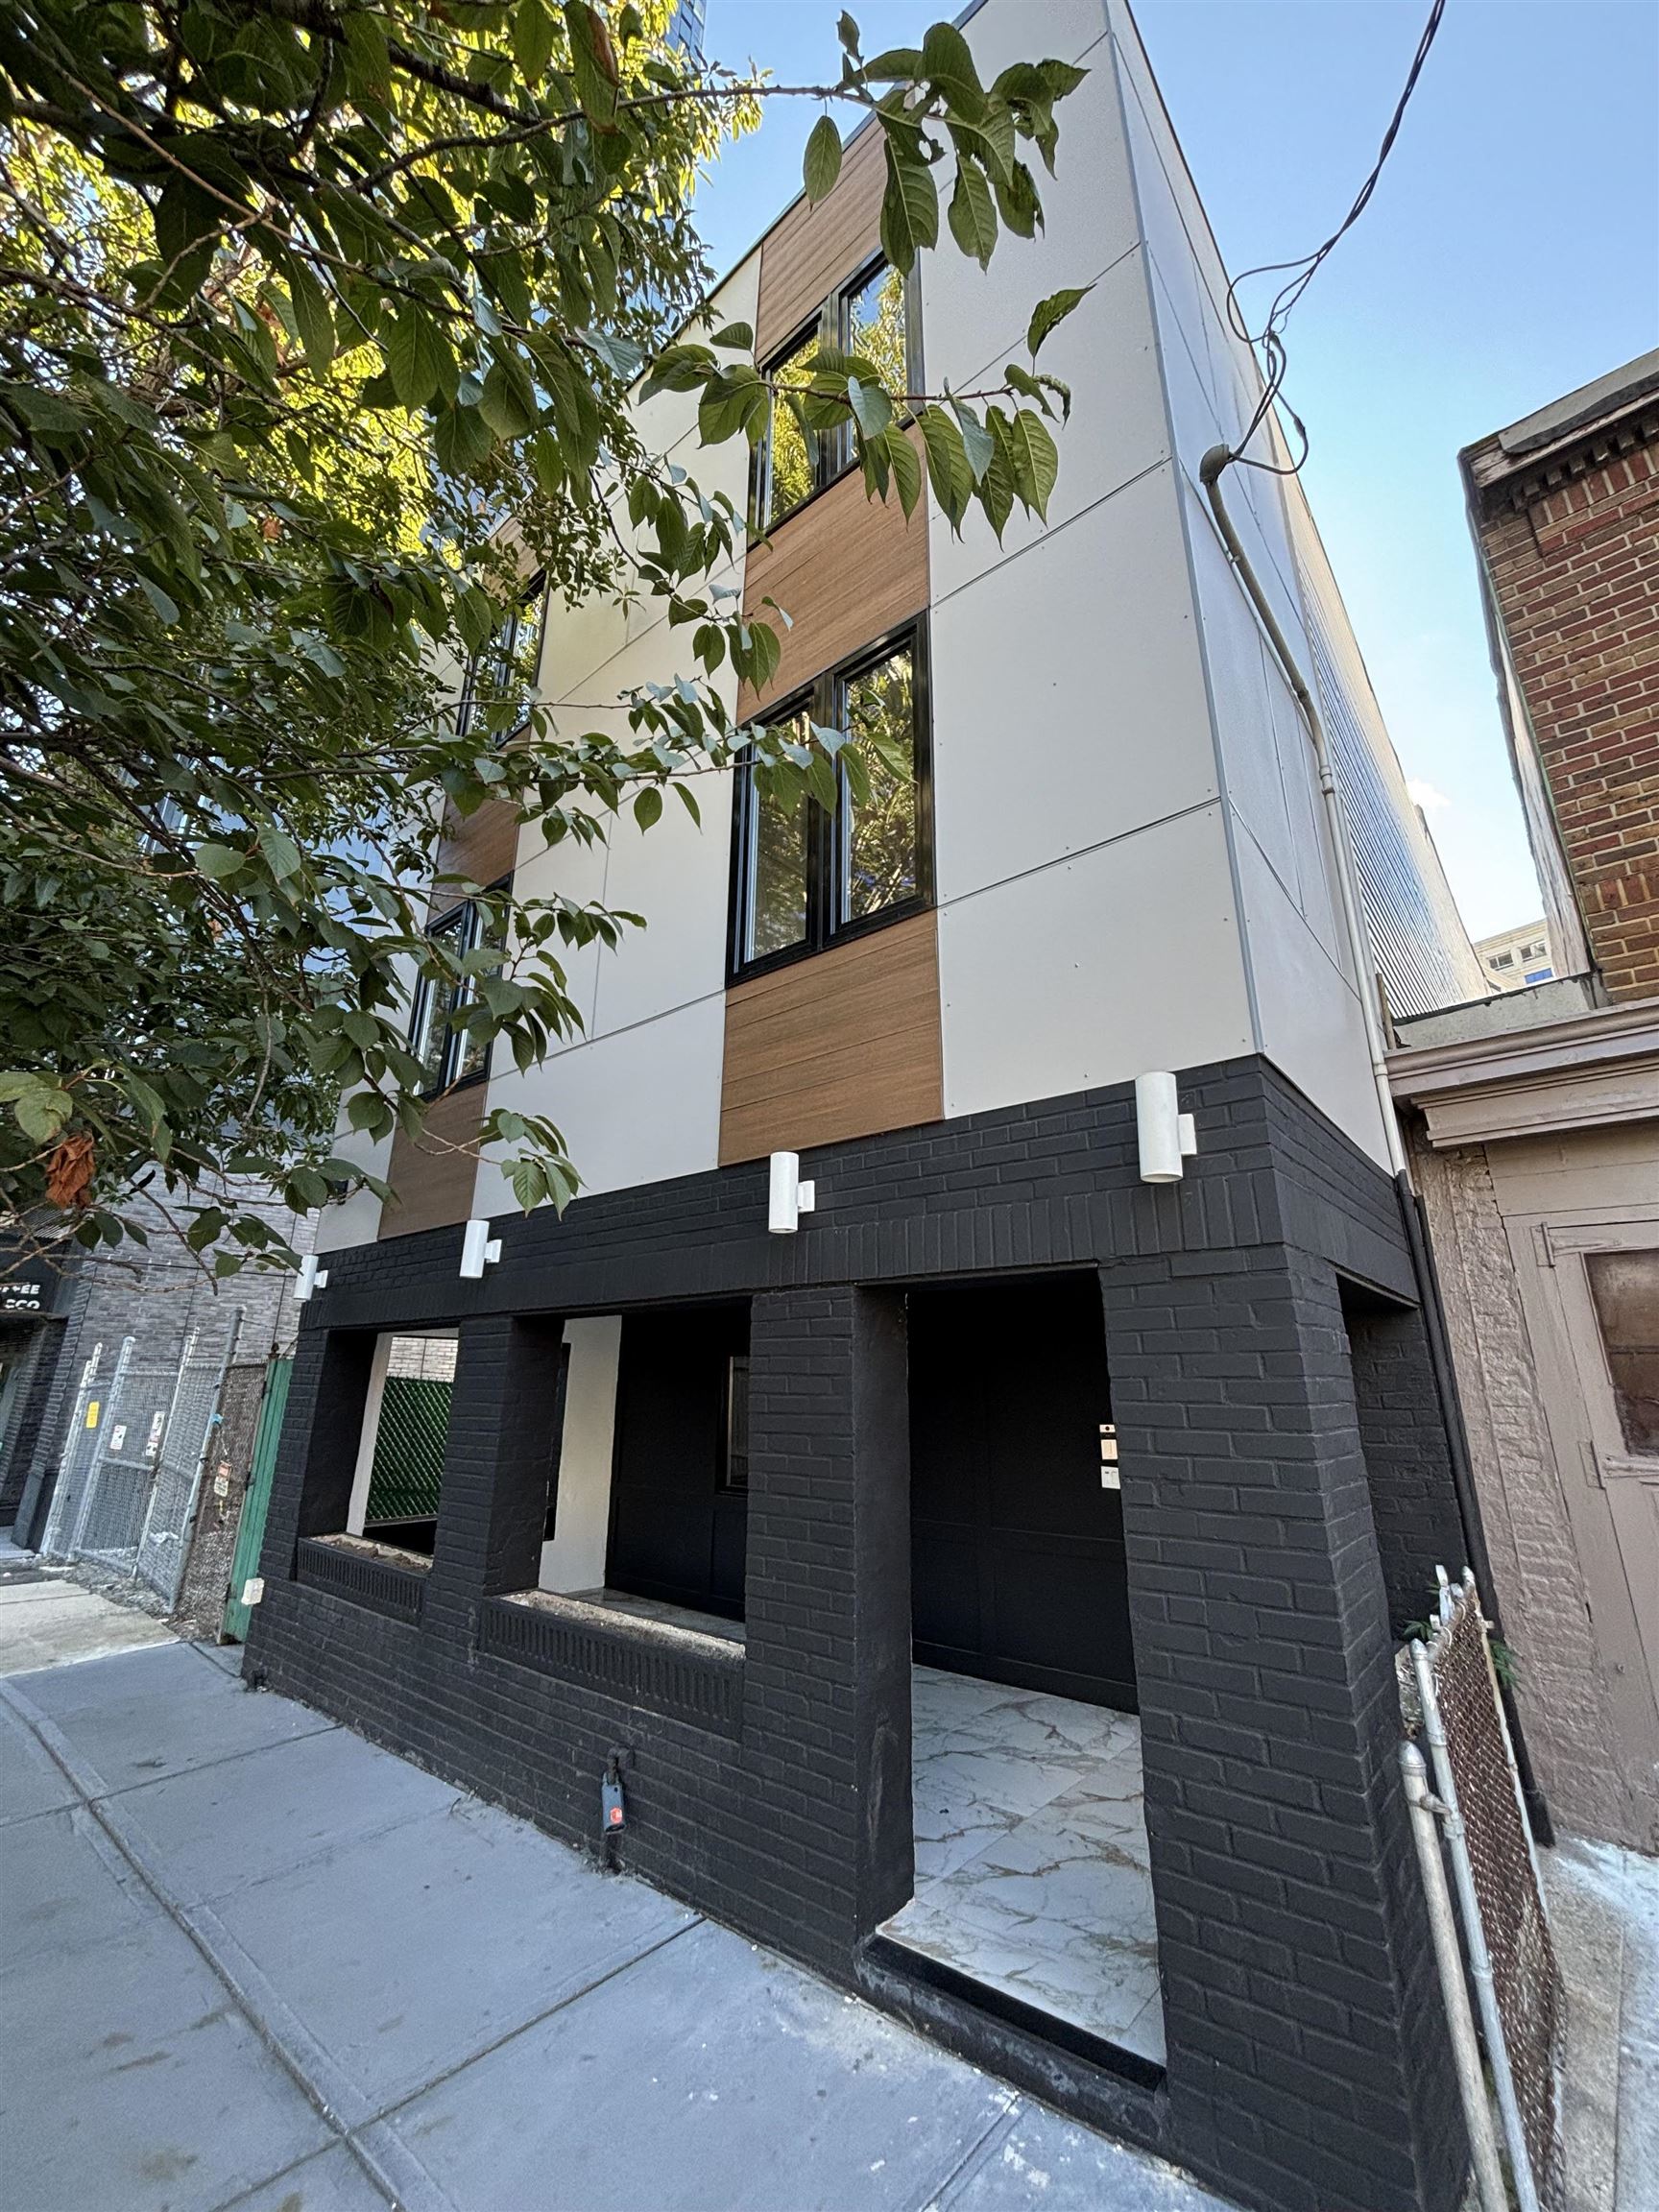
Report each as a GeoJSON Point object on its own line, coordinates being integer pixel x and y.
{"type": "Point", "coordinates": [960, 1526]}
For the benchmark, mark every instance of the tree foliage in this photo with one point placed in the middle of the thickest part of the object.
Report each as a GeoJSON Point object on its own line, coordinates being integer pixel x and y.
{"type": "Point", "coordinates": [318, 327]}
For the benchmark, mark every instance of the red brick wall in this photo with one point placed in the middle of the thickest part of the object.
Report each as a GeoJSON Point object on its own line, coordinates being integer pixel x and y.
{"type": "Point", "coordinates": [1576, 579]}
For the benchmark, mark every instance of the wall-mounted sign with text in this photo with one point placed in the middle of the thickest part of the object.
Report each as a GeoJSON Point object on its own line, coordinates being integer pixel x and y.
{"type": "Point", "coordinates": [27, 1288]}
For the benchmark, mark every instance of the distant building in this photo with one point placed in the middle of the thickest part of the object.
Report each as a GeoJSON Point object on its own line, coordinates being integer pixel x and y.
{"type": "Point", "coordinates": [1537, 1111]}
{"type": "Point", "coordinates": [1516, 957]}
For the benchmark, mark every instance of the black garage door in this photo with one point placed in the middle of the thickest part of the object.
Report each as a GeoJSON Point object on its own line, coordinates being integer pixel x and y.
{"type": "Point", "coordinates": [1016, 1542]}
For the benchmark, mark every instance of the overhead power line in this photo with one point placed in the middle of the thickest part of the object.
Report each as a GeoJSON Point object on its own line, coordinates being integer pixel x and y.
{"type": "Point", "coordinates": [1306, 265]}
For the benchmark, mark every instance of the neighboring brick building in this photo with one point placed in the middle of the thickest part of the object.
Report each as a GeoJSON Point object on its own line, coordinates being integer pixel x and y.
{"type": "Point", "coordinates": [1537, 1123]}
{"type": "Point", "coordinates": [1564, 510]}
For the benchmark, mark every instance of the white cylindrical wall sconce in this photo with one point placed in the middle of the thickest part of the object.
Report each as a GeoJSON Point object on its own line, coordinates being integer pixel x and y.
{"type": "Point", "coordinates": [312, 1277]}
{"type": "Point", "coordinates": [787, 1197]}
{"type": "Point", "coordinates": [478, 1250]}
{"type": "Point", "coordinates": [1165, 1135]}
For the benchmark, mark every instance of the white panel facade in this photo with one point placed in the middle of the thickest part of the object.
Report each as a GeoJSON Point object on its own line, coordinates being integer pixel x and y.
{"type": "Point", "coordinates": [1094, 970]}
{"type": "Point", "coordinates": [639, 1106]}
{"type": "Point", "coordinates": [1069, 702]}
{"type": "Point", "coordinates": [974, 318]}
{"type": "Point", "coordinates": [1106, 350]}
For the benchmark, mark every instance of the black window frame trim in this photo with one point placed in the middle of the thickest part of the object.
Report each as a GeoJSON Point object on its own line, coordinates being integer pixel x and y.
{"type": "Point", "coordinates": [536, 592]}
{"type": "Point", "coordinates": [818, 699]}
{"type": "Point", "coordinates": [456, 1041]}
{"type": "Point", "coordinates": [839, 442]}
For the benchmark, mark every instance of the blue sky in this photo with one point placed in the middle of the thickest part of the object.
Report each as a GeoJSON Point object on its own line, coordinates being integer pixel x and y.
{"type": "Point", "coordinates": [1510, 254]}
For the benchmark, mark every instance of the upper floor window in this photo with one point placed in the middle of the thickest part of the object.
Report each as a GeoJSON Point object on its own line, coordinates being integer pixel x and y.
{"type": "Point", "coordinates": [868, 318]}
{"type": "Point", "coordinates": [449, 1054]}
{"type": "Point", "coordinates": [804, 878]}
{"type": "Point", "coordinates": [501, 676]}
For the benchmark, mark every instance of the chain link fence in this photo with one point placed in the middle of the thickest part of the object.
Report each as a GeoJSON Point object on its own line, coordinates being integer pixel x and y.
{"type": "Point", "coordinates": [1449, 1694]}
{"type": "Point", "coordinates": [414, 1421]}
{"type": "Point", "coordinates": [128, 1488]}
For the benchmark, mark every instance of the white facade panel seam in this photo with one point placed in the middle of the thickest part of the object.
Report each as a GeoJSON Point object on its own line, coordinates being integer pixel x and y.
{"type": "Point", "coordinates": [1049, 535]}
{"type": "Point", "coordinates": [1216, 747]}
{"type": "Point", "coordinates": [1206, 805]}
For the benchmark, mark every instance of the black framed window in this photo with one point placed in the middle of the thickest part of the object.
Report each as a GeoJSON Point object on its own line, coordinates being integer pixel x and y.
{"type": "Point", "coordinates": [872, 317]}
{"type": "Point", "coordinates": [501, 676]}
{"type": "Point", "coordinates": [804, 879]}
{"type": "Point", "coordinates": [449, 1054]}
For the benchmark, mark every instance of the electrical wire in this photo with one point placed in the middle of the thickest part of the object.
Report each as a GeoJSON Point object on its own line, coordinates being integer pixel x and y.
{"type": "Point", "coordinates": [1306, 265]}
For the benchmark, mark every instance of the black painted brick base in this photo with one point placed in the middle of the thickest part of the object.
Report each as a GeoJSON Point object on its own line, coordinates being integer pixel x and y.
{"type": "Point", "coordinates": [1307, 2058]}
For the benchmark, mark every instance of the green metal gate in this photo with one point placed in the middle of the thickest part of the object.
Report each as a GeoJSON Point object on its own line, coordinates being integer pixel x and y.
{"type": "Point", "coordinates": [257, 1499]}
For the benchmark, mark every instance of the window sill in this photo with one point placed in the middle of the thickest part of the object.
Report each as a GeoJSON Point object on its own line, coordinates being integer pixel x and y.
{"type": "Point", "coordinates": [677, 1672]}
{"type": "Point", "coordinates": [377, 1576]}
{"type": "Point", "coordinates": [869, 925]}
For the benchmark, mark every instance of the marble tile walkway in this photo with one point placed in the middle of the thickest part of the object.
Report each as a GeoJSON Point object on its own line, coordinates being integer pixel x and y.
{"type": "Point", "coordinates": [1031, 1863]}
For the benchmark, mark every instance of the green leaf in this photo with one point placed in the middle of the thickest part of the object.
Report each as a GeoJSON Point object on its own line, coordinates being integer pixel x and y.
{"type": "Point", "coordinates": [620, 354]}
{"type": "Point", "coordinates": [648, 806]}
{"type": "Point", "coordinates": [208, 1225]}
{"type": "Point", "coordinates": [909, 208]}
{"type": "Point", "coordinates": [973, 213]}
{"type": "Point", "coordinates": [48, 412]}
{"type": "Point", "coordinates": [592, 64]}
{"type": "Point", "coordinates": [42, 1112]}
{"type": "Point", "coordinates": [906, 465]}
{"type": "Point", "coordinates": [1016, 201]}
{"type": "Point", "coordinates": [533, 33]}
{"type": "Point", "coordinates": [508, 401]}
{"type": "Point", "coordinates": [947, 469]}
{"type": "Point", "coordinates": [416, 351]}
{"type": "Point", "coordinates": [871, 409]}
{"type": "Point", "coordinates": [217, 861]}
{"type": "Point", "coordinates": [311, 317]}
{"type": "Point", "coordinates": [1036, 462]}
{"type": "Point", "coordinates": [978, 443]}
{"type": "Point", "coordinates": [736, 337]}
{"type": "Point", "coordinates": [280, 852]}
{"type": "Point", "coordinates": [1049, 314]}
{"type": "Point", "coordinates": [948, 64]}
{"type": "Point", "coordinates": [823, 160]}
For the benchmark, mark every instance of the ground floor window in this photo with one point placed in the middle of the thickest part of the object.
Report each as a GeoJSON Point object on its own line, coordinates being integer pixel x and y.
{"type": "Point", "coordinates": [405, 1429]}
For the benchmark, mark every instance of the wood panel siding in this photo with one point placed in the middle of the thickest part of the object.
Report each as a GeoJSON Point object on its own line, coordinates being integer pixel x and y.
{"type": "Point", "coordinates": [484, 846]}
{"type": "Point", "coordinates": [811, 249]}
{"type": "Point", "coordinates": [846, 569]}
{"type": "Point", "coordinates": [845, 1044]}
{"type": "Point", "coordinates": [434, 1187]}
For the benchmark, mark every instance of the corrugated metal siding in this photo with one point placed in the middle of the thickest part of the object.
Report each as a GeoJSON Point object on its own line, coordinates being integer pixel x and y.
{"type": "Point", "coordinates": [1421, 946]}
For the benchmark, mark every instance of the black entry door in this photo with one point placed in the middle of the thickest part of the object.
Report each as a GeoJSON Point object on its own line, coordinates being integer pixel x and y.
{"type": "Point", "coordinates": [1018, 1569]}
{"type": "Point", "coordinates": [679, 1495]}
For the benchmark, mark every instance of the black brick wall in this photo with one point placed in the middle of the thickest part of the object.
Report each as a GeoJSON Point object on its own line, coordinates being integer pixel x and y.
{"type": "Point", "coordinates": [1306, 2068]}
{"type": "Point", "coordinates": [1290, 1953]}
{"type": "Point", "coordinates": [1407, 1459]}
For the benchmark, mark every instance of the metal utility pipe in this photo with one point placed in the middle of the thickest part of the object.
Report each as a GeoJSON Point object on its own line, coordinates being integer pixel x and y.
{"type": "Point", "coordinates": [1465, 2048]}
{"type": "Point", "coordinates": [1210, 468]}
{"type": "Point", "coordinates": [1475, 1935]}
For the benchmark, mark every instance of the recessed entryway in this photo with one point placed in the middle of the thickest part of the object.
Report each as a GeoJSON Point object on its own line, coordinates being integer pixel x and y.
{"type": "Point", "coordinates": [1031, 1861]}
{"type": "Point", "coordinates": [1032, 1874]}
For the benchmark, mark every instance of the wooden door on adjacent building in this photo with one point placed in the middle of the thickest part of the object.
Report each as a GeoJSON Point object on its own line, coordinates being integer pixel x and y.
{"type": "Point", "coordinates": [1590, 1284]}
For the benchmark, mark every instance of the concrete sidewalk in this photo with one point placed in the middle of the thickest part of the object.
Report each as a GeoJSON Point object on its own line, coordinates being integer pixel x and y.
{"type": "Point", "coordinates": [46, 1618]}
{"type": "Point", "coordinates": [251, 1960]}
